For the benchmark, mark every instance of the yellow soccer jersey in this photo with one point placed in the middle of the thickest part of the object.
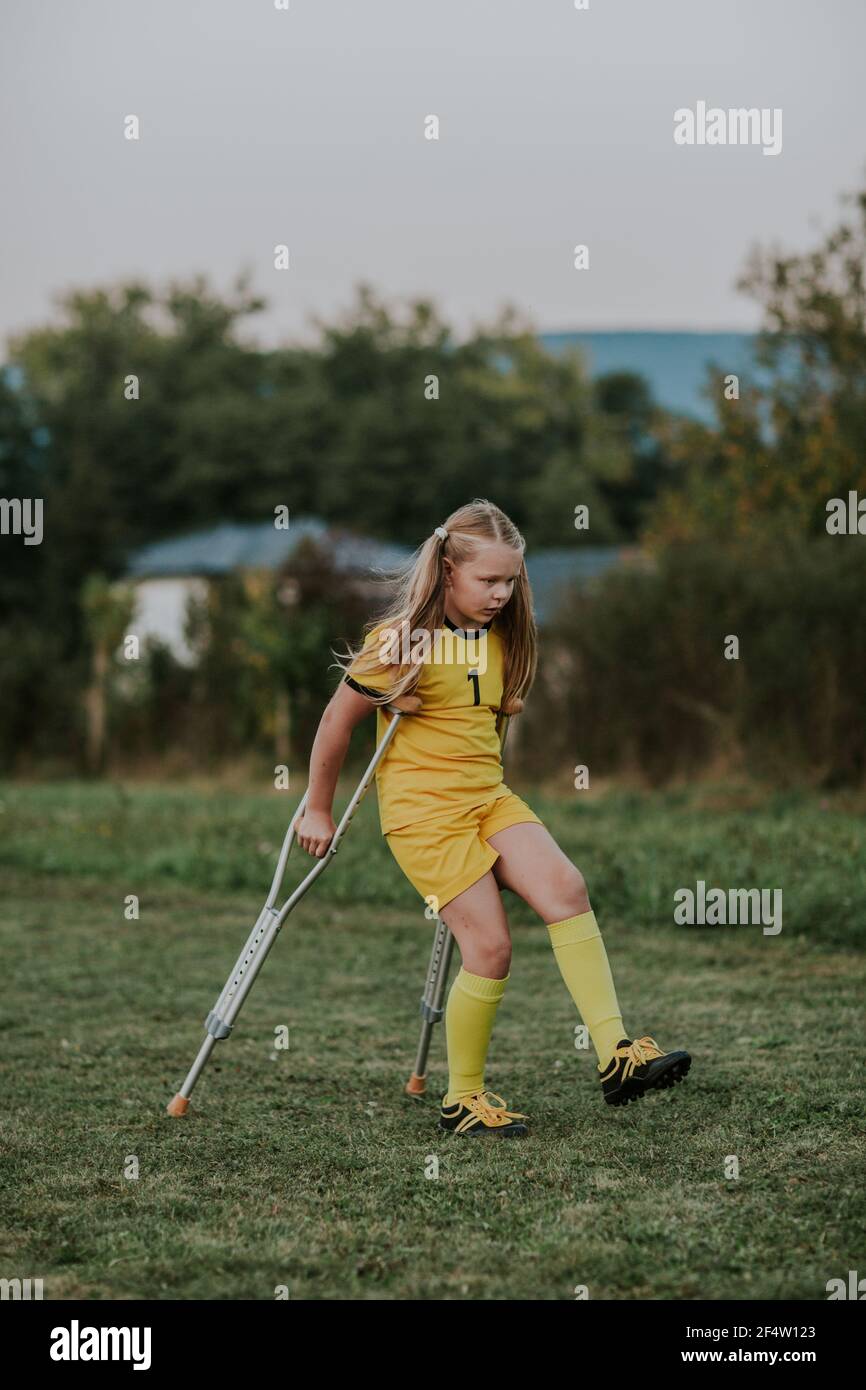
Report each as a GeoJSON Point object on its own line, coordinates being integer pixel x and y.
{"type": "Point", "coordinates": [446, 758]}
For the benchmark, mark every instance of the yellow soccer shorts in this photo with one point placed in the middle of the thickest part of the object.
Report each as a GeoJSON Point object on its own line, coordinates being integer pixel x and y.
{"type": "Point", "coordinates": [444, 856]}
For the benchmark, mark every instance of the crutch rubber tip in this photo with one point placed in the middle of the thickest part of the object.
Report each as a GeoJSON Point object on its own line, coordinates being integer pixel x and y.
{"type": "Point", "coordinates": [178, 1106]}
{"type": "Point", "coordinates": [416, 1085]}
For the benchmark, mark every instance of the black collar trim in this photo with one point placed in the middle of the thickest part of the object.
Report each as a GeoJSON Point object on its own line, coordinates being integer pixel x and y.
{"type": "Point", "coordinates": [466, 631]}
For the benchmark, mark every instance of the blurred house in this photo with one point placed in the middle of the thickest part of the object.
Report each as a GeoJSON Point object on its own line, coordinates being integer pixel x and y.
{"type": "Point", "coordinates": [556, 573]}
{"type": "Point", "coordinates": [167, 574]}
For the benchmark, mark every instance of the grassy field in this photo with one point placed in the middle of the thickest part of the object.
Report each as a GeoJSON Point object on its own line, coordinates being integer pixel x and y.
{"type": "Point", "coordinates": [308, 1167]}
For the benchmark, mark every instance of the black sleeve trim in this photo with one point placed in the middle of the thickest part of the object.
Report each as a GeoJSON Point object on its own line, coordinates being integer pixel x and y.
{"type": "Point", "coordinates": [362, 689]}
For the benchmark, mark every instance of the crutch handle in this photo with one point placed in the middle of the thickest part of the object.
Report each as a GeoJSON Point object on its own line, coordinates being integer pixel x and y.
{"type": "Point", "coordinates": [406, 704]}
{"type": "Point", "coordinates": [512, 706]}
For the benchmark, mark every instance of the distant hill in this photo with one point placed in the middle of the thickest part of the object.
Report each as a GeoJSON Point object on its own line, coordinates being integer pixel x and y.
{"type": "Point", "coordinates": [674, 364]}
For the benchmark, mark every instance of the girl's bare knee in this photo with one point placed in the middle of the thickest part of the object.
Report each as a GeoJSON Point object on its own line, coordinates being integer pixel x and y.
{"type": "Point", "coordinates": [490, 959]}
{"type": "Point", "coordinates": [477, 921]}
{"type": "Point", "coordinates": [568, 893]}
{"type": "Point", "coordinates": [486, 955]}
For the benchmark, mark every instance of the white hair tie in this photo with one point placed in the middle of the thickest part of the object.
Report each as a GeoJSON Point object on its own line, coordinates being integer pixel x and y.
{"type": "Point", "coordinates": [441, 533]}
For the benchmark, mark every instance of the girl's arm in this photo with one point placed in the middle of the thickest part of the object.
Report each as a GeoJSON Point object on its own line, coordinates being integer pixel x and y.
{"type": "Point", "coordinates": [316, 827]}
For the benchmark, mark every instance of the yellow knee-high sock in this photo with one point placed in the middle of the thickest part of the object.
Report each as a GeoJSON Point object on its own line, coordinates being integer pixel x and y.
{"type": "Point", "coordinates": [584, 966]}
{"type": "Point", "coordinates": [469, 1014]}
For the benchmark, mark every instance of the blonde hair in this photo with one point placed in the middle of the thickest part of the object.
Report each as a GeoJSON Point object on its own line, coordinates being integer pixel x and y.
{"type": "Point", "coordinates": [419, 601]}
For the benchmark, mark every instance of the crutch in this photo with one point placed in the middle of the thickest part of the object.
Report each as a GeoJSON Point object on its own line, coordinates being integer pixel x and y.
{"type": "Point", "coordinates": [432, 1010]}
{"type": "Point", "coordinates": [221, 1019]}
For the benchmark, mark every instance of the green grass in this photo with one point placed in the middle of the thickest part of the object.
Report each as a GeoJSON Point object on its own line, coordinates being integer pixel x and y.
{"type": "Point", "coordinates": [306, 1167]}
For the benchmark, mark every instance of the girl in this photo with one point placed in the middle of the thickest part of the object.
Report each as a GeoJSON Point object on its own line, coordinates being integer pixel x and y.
{"type": "Point", "coordinates": [461, 635]}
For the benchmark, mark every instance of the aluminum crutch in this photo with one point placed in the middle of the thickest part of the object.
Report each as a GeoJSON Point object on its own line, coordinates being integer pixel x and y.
{"type": "Point", "coordinates": [221, 1019]}
{"type": "Point", "coordinates": [432, 1009]}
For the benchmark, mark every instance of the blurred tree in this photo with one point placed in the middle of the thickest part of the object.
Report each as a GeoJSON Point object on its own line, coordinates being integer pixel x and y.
{"type": "Point", "coordinates": [510, 420]}
{"type": "Point", "coordinates": [634, 419]}
{"type": "Point", "coordinates": [108, 611]}
{"type": "Point", "coordinates": [780, 452]}
{"type": "Point", "coordinates": [286, 629]}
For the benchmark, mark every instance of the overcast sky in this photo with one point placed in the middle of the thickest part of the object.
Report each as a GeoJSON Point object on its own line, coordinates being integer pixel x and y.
{"type": "Point", "coordinates": [306, 127]}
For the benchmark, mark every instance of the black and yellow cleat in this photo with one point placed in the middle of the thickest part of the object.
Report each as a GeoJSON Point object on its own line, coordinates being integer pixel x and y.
{"type": "Point", "coordinates": [640, 1066]}
{"type": "Point", "coordinates": [474, 1115]}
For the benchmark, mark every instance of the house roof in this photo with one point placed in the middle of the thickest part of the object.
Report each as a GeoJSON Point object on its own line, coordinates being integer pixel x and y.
{"type": "Point", "coordinates": [553, 573]}
{"type": "Point", "coordinates": [222, 549]}
{"type": "Point", "coordinates": [556, 572]}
